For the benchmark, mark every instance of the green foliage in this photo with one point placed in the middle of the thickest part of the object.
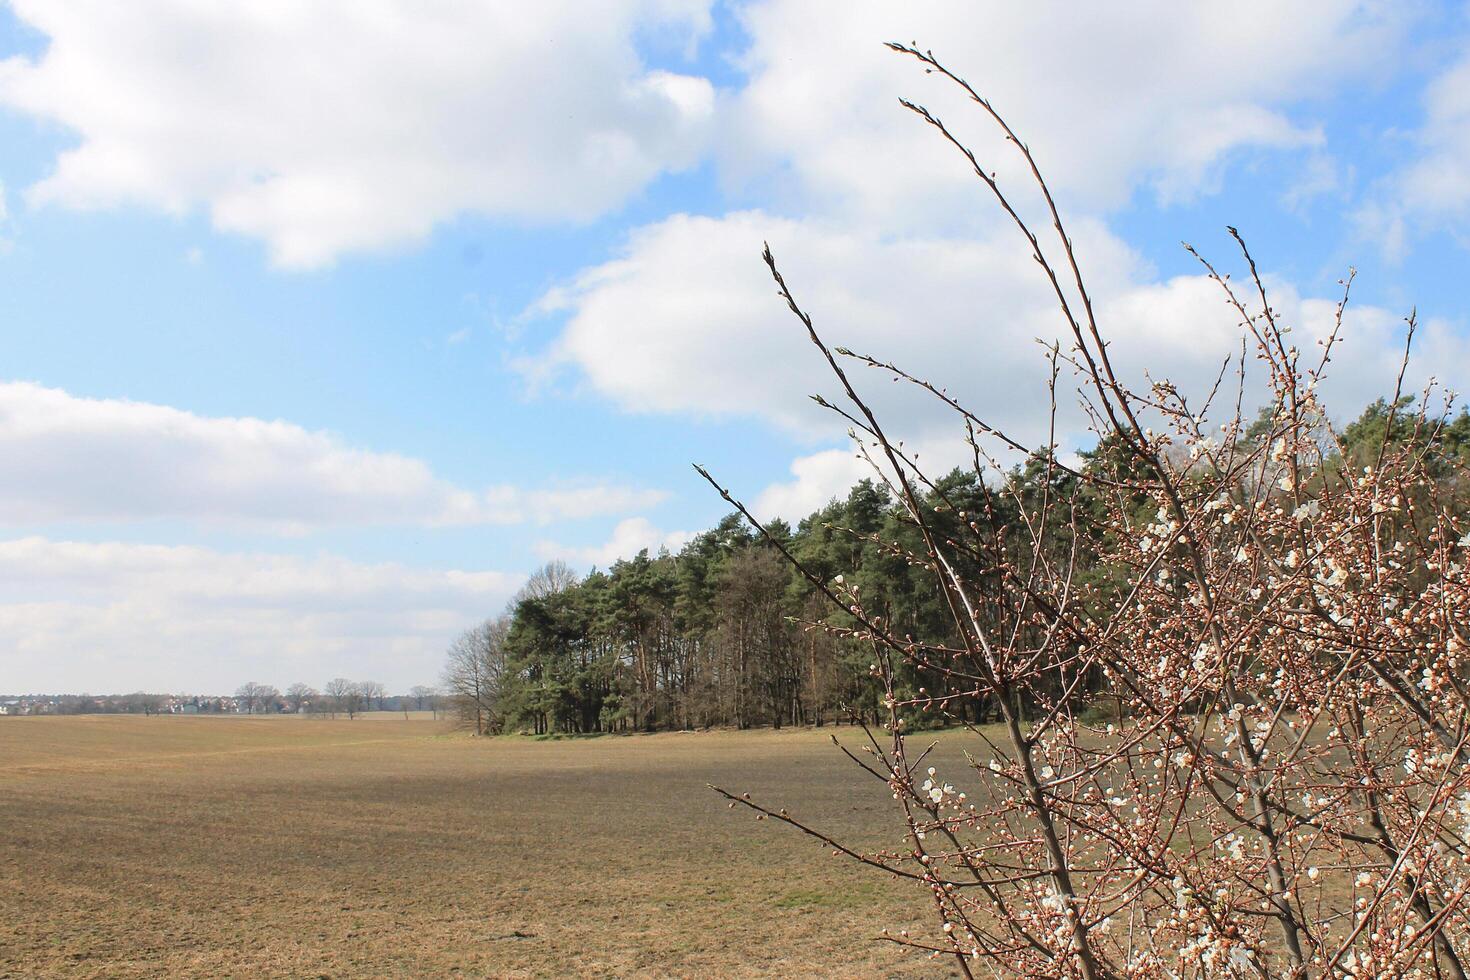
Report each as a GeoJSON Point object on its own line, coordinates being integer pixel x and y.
{"type": "Point", "coordinates": [722, 633]}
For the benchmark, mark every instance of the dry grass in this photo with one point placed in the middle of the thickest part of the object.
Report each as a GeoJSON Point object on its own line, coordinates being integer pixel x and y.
{"type": "Point", "coordinates": [235, 846]}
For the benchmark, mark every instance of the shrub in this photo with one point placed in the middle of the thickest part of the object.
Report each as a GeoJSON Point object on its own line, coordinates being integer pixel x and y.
{"type": "Point", "coordinates": [1283, 631]}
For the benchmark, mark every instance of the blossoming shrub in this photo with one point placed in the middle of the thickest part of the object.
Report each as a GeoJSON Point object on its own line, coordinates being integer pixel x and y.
{"type": "Point", "coordinates": [1236, 742]}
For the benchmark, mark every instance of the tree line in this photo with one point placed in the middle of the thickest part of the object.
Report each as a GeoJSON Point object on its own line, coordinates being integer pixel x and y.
{"type": "Point", "coordinates": [340, 695]}
{"type": "Point", "coordinates": [722, 632]}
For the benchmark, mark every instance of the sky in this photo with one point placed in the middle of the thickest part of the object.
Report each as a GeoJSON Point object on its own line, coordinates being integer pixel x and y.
{"type": "Point", "coordinates": [324, 322]}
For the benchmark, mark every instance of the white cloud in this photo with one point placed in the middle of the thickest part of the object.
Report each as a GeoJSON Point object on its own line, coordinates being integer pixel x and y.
{"type": "Point", "coordinates": [687, 318]}
{"type": "Point", "coordinates": [816, 480]}
{"type": "Point", "coordinates": [1175, 329]}
{"type": "Point", "coordinates": [1439, 182]}
{"type": "Point", "coordinates": [1321, 175]}
{"type": "Point", "coordinates": [1110, 97]}
{"type": "Point", "coordinates": [1432, 191]}
{"type": "Point", "coordinates": [64, 458]}
{"type": "Point", "coordinates": [330, 126]}
{"type": "Point", "coordinates": [111, 617]}
{"type": "Point", "coordinates": [686, 321]}
{"type": "Point", "coordinates": [629, 537]}
{"type": "Point", "coordinates": [1180, 329]}
{"type": "Point", "coordinates": [896, 249]}
{"type": "Point", "coordinates": [334, 125]}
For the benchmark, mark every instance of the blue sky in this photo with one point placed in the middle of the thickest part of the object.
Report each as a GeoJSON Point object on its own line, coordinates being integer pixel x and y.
{"type": "Point", "coordinates": [324, 323]}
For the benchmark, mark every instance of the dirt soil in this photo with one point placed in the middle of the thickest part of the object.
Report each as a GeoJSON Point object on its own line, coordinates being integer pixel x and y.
{"type": "Point", "coordinates": [234, 846]}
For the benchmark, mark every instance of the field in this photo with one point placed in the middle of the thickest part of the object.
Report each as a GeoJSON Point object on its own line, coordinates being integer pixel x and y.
{"type": "Point", "coordinates": [137, 846]}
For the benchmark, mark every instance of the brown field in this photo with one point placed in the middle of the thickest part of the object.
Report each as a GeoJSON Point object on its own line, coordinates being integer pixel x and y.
{"type": "Point", "coordinates": [389, 847]}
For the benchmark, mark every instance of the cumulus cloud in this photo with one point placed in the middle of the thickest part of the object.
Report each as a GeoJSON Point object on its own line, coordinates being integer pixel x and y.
{"type": "Point", "coordinates": [686, 321]}
{"type": "Point", "coordinates": [815, 480]}
{"type": "Point", "coordinates": [965, 313]}
{"type": "Point", "coordinates": [1432, 190]}
{"type": "Point", "coordinates": [629, 537]}
{"type": "Point", "coordinates": [1110, 97]}
{"type": "Point", "coordinates": [112, 617]}
{"type": "Point", "coordinates": [331, 126]}
{"type": "Point", "coordinates": [896, 249]}
{"type": "Point", "coordinates": [1439, 181]}
{"type": "Point", "coordinates": [65, 458]}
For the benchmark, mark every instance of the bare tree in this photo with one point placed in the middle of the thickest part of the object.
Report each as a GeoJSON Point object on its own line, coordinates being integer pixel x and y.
{"type": "Point", "coordinates": [549, 579]}
{"type": "Point", "coordinates": [474, 671]}
{"type": "Point", "coordinates": [256, 698]}
{"type": "Point", "coordinates": [245, 696]}
{"type": "Point", "coordinates": [373, 695]}
{"type": "Point", "coordinates": [345, 696]}
{"type": "Point", "coordinates": [144, 703]}
{"type": "Point", "coordinates": [299, 696]}
{"type": "Point", "coordinates": [422, 695]}
{"type": "Point", "coordinates": [1284, 788]}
